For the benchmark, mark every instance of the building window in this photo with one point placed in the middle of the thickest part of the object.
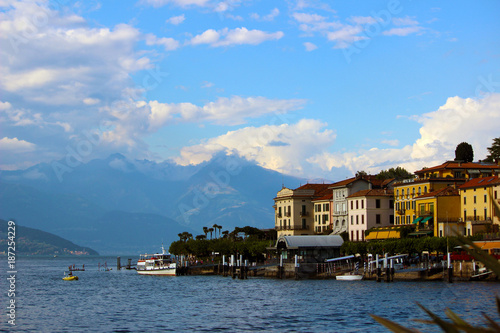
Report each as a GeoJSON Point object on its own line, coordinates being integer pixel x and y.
{"type": "Point", "coordinates": [362, 204]}
{"type": "Point", "coordinates": [485, 198]}
{"type": "Point", "coordinates": [362, 219]}
{"type": "Point", "coordinates": [419, 190]}
{"type": "Point", "coordinates": [304, 226]}
{"type": "Point", "coordinates": [474, 199]}
{"type": "Point", "coordinates": [465, 200]}
{"type": "Point", "coordinates": [357, 207]}
{"type": "Point", "coordinates": [425, 189]}
{"type": "Point", "coordinates": [465, 215]}
{"type": "Point", "coordinates": [357, 219]}
{"type": "Point", "coordinates": [352, 204]}
{"type": "Point", "coordinates": [352, 235]}
{"type": "Point", "coordinates": [377, 203]}
{"type": "Point", "coordinates": [352, 220]}
{"type": "Point", "coordinates": [326, 207]}
{"type": "Point", "coordinates": [391, 219]}
{"type": "Point", "coordinates": [377, 219]}
{"type": "Point", "coordinates": [391, 204]}
{"type": "Point", "coordinates": [495, 195]}
{"type": "Point", "coordinates": [397, 193]}
{"type": "Point", "coordinates": [357, 235]}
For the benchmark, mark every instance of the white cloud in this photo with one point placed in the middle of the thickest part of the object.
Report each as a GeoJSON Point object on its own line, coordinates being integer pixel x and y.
{"type": "Point", "coordinates": [393, 143]}
{"type": "Point", "coordinates": [402, 31]}
{"type": "Point", "coordinates": [176, 20]}
{"type": "Point", "coordinates": [346, 36]}
{"type": "Point", "coordinates": [91, 101]}
{"type": "Point", "coordinates": [224, 111]}
{"type": "Point", "coordinates": [269, 17]}
{"type": "Point", "coordinates": [15, 145]}
{"type": "Point", "coordinates": [238, 36]}
{"type": "Point", "coordinates": [362, 20]}
{"type": "Point", "coordinates": [284, 148]}
{"type": "Point", "coordinates": [404, 21]}
{"type": "Point", "coordinates": [310, 46]}
{"type": "Point", "coordinates": [168, 43]}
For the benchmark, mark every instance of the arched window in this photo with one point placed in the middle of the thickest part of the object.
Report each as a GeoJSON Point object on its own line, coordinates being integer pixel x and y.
{"type": "Point", "coordinates": [425, 189]}
{"type": "Point", "coordinates": [419, 190]}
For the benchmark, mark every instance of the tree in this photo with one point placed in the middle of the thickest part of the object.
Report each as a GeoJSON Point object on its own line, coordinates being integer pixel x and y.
{"type": "Point", "coordinates": [205, 230]}
{"type": "Point", "coordinates": [464, 152]}
{"type": "Point", "coordinates": [494, 151]}
{"type": "Point", "coordinates": [361, 174]}
{"type": "Point", "coordinates": [210, 230]}
{"type": "Point", "coordinates": [398, 173]}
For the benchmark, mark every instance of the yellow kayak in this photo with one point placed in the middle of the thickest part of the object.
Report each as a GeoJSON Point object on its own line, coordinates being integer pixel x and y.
{"type": "Point", "coordinates": [70, 278]}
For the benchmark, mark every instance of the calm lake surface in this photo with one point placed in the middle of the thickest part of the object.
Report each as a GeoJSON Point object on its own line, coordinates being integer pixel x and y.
{"type": "Point", "coordinates": [123, 301]}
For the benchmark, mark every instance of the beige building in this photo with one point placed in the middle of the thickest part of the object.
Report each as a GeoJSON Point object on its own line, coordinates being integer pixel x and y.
{"type": "Point", "coordinates": [294, 209]}
{"type": "Point", "coordinates": [369, 209]}
{"type": "Point", "coordinates": [323, 214]}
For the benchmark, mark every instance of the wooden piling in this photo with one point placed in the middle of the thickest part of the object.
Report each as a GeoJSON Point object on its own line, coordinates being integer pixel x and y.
{"type": "Point", "coordinates": [118, 263]}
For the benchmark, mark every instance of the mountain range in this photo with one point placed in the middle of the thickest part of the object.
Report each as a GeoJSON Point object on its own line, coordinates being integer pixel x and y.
{"type": "Point", "coordinates": [117, 205]}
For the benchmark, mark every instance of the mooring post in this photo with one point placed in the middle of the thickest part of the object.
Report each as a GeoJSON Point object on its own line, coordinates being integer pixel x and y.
{"type": "Point", "coordinates": [118, 263]}
{"type": "Point", "coordinates": [224, 265]}
{"type": "Point", "coordinates": [450, 269]}
{"type": "Point", "coordinates": [246, 269]}
{"type": "Point", "coordinates": [280, 268]}
{"type": "Point", "coordinates": [392, 270]}
{"type": "Point", "coordinates": [232, 267]}
{"type": "Point", "coordinates": [377, 265]}
{"type": "Point", "coordinates": [296, 267]}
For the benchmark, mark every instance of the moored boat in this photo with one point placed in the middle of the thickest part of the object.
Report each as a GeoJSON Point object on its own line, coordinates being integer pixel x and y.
{"type": "Point", "coordinates": [349, 277]}
{"type": "Point", "coordinates": [157, 264]}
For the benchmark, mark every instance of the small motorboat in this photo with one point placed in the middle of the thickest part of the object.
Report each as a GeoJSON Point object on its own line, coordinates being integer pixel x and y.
{"type": "Point", "coordinates": [349, 277]}
{"type": "Point", "coordinates": [70, 278]}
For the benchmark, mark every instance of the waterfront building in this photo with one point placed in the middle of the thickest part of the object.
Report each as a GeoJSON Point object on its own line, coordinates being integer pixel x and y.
{"type": "Point", "coordinates": [432, 180]}
{"type": "Point", "coordinates": [480, 205]}
{"type": "Point", "coordinates": [368, 209]}
{"type": "Point", "coordinates": [322, 213]}
{"type": "Point", "coordinates": [310, 249]}
{"type": "Point", "coordinates": [438, 213]}
{"type": "Point", "coordinates": [294, 209]}
{"type": "Point", "coordinates": [340, 191]}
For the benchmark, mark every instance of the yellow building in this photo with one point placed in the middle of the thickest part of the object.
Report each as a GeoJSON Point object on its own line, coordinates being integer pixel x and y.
{"type": "Point", "coordinates": [480, 204]}
{"type": "Point", "coordinates": [432, 180]}
{"type": "Point", "coordinates": [438, 212]}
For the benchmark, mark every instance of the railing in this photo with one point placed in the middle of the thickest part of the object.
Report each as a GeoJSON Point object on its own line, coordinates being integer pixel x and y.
{"type": "Point", "coordinates": [287, 214]}
{"type": "Point", "coordinates": [479, 219]}
{"type": "Point", "coordinates": [278, 215]}
{"type": "Point", "coordinates": [425, 213]}
{"type": "Point", "coordinates": [304, 213]}
{"type": "Point", "coordinates": [340, 212]}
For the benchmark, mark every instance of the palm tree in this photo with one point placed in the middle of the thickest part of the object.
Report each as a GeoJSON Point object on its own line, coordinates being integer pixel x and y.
{"type": "Point", "coordinates": [225, 233]}
{"type": "Point", "coordinates": [205, 230]}
{"type": "Point", "coordinates": [220, 228]}
{"type": "Point", "coordinates": [215, 226]}
{"type": "Point", "coordinates": [180, 236]}
{"type": "Point", "coordinates": [210, 231]}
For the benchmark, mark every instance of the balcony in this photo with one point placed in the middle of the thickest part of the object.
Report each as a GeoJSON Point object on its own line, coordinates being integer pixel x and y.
{"type": "Point", "coordinates": [287, 214]}
{"type": "Point", "coordinates": [278, 215]}
{"type": "Point", "coordinates": [303, 214]}
{"type": "Point", "coordinates": [401, 211]}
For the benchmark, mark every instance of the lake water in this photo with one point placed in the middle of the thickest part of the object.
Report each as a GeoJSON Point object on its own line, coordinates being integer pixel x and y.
{"type": "Point", "coordinates": [123, 301]}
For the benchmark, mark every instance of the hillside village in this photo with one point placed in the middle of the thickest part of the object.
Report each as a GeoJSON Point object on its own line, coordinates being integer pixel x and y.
{"type": "Point", "coordinates": [453, 197]}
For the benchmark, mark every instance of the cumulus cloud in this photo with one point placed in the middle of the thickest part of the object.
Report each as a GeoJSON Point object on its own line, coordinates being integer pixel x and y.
{"type": "Point", "coordinates": [169, 44]}
{"type": "Point", "coordinates": [14, 145]}
{"type": "Point", "coordinates": [238, 36]}
{"type": "Point", "coordinates": [473, 120]}
{"type": "Point", "coordinates": [284, 148]}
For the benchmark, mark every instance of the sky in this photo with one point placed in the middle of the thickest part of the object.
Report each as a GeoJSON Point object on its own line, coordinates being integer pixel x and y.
{"type": "Point", "coordinates": [314, 89]}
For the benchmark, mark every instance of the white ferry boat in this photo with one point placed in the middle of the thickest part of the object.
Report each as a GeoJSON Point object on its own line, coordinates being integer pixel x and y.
{"type": "Point", "coordinates": [156, 264]}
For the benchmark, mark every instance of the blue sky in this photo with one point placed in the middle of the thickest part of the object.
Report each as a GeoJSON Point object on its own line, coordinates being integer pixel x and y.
{"type": "Point", "coordinates": [309, 88]}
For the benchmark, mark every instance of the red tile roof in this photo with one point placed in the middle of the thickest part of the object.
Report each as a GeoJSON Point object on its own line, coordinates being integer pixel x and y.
{"type": "Point", "coordinates": [459, 165]}
{"type": "Point", "coordinates": [320, 190]}
{"type": "Point", "coordinates": [481, 182]}
{"type": "Point", "coordinates": [328, 196]}
{"type": "Point", "coordinates": [373, 193]}
{"type": "Point", "coordinates": [447, 191]}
